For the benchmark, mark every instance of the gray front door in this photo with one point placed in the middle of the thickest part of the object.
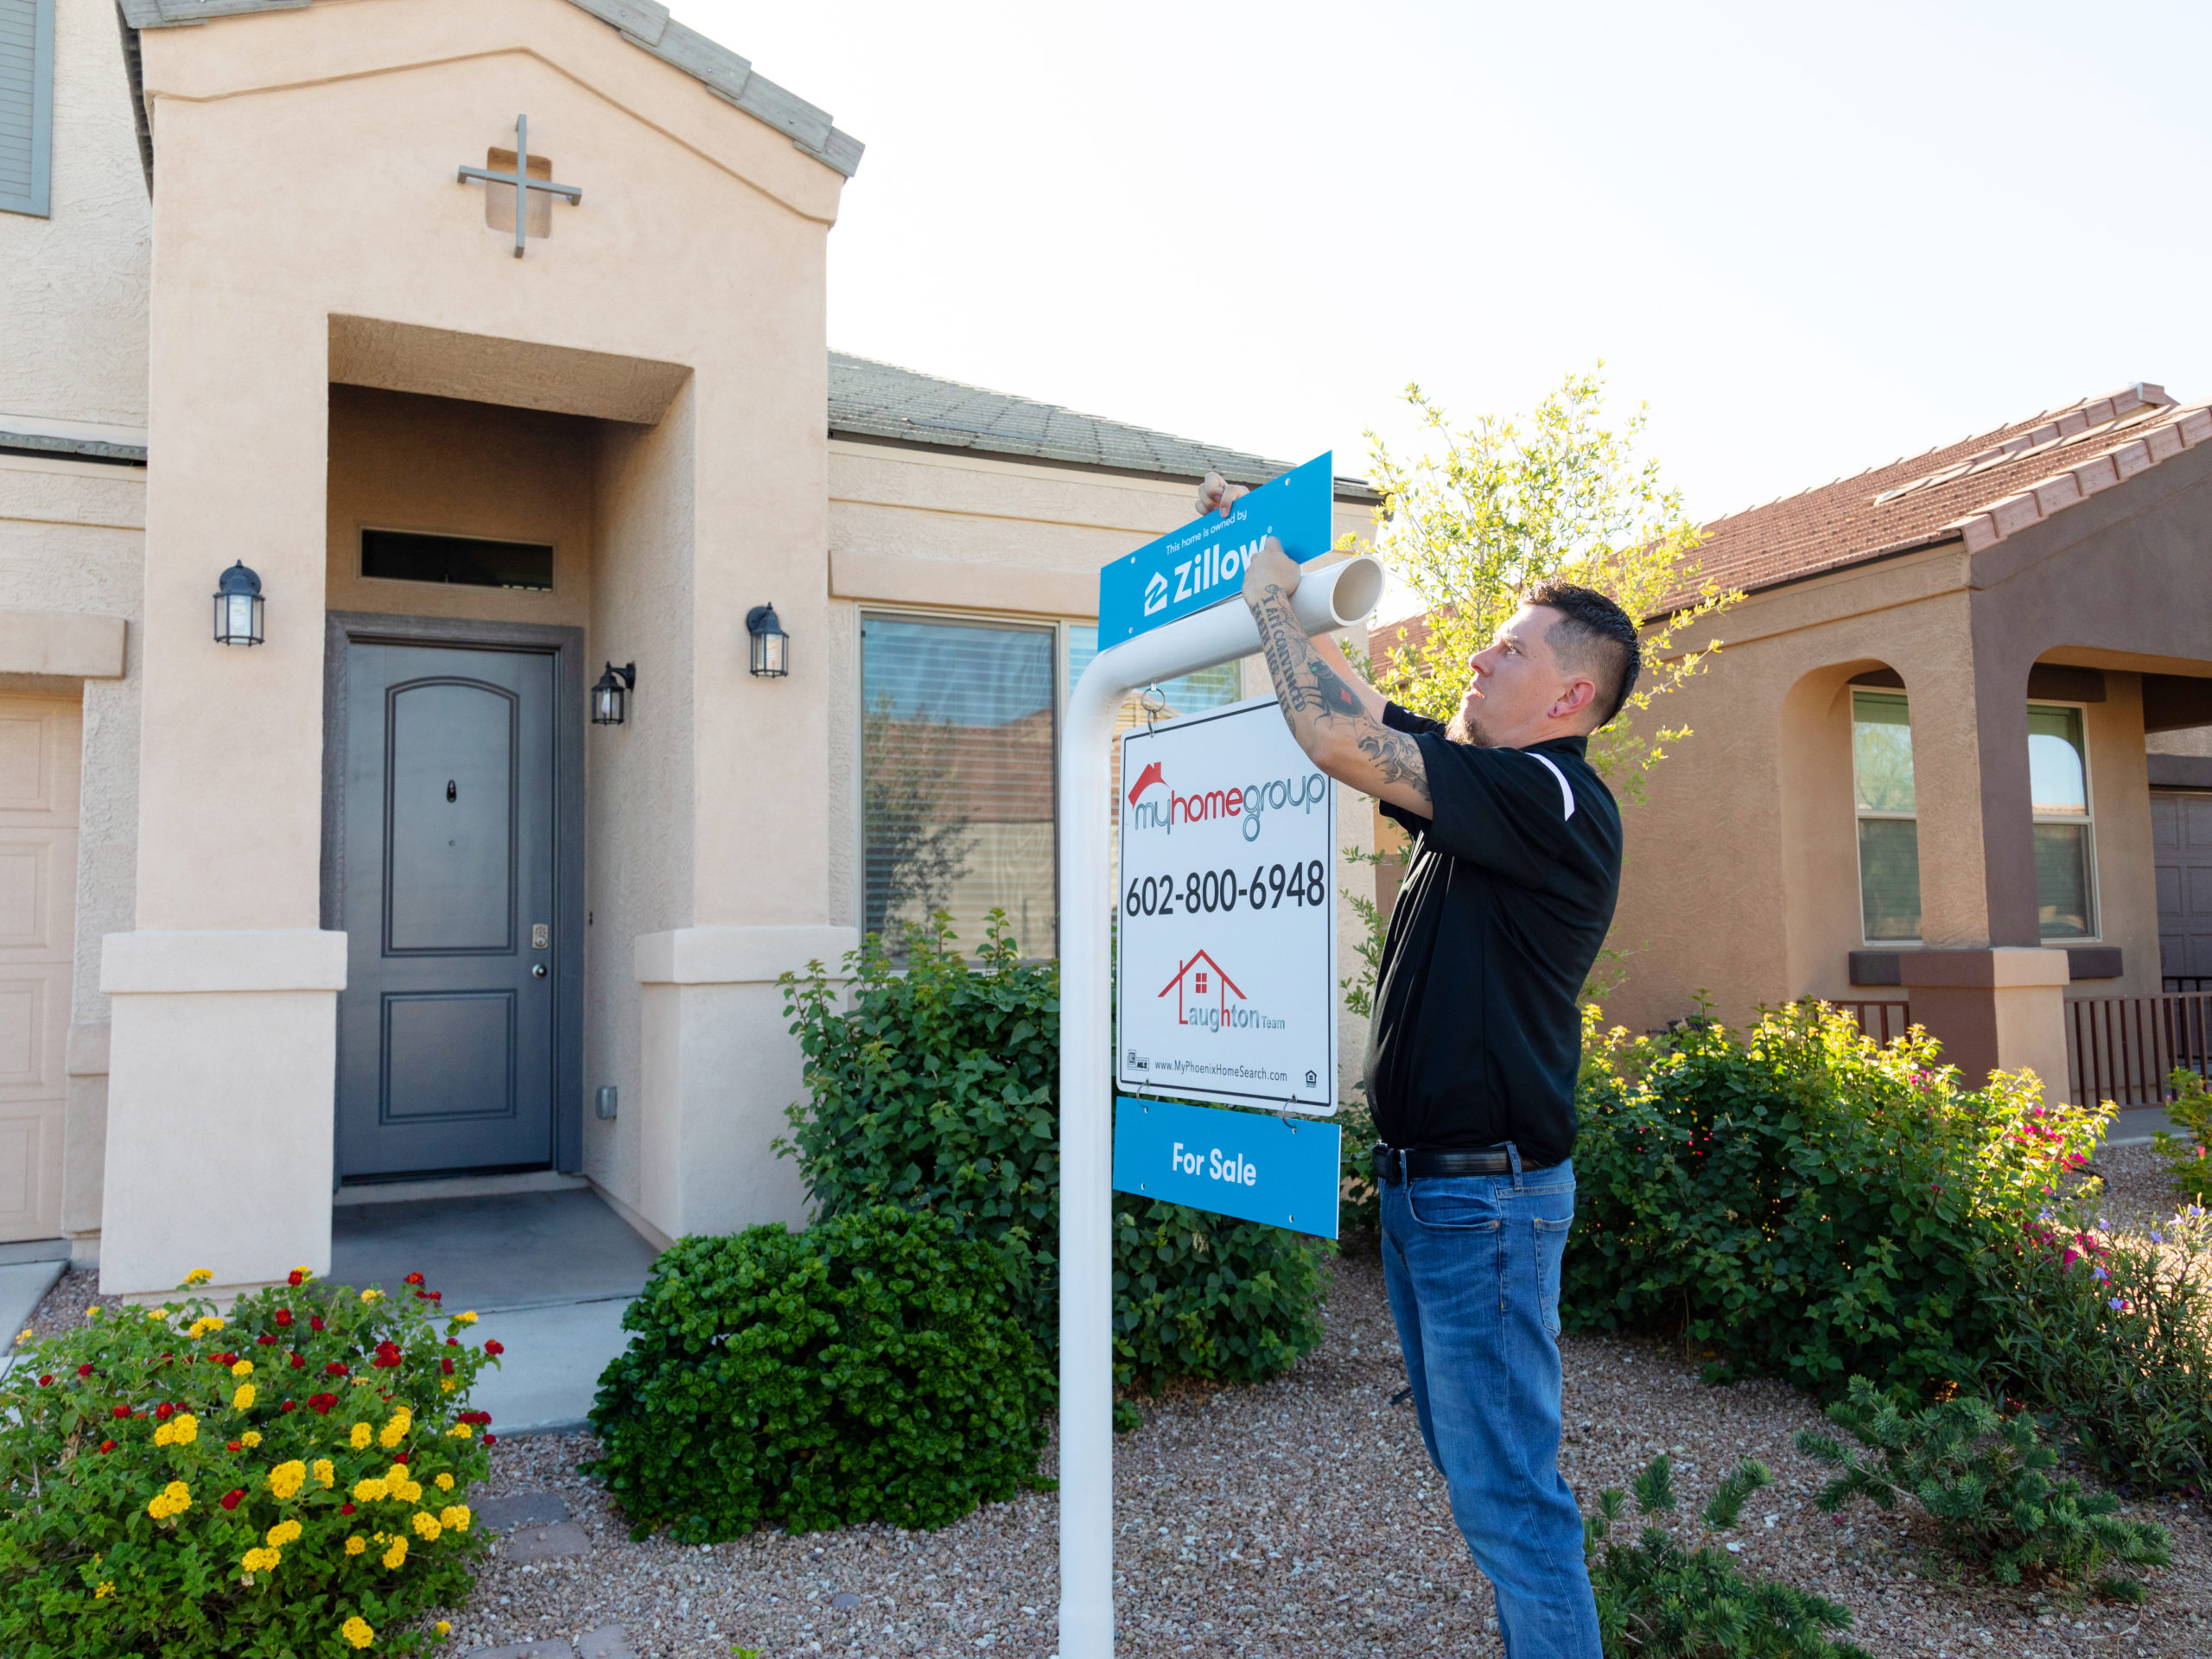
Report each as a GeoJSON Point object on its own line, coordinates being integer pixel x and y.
{"type": "Point", "coordinates": [446, 1026]}
{"type": "Point", "coordinates": [2181, 850]}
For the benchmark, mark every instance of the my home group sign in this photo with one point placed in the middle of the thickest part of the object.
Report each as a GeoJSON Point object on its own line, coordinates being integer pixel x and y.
{"type": "Point", "coordinates": [1226, 985]}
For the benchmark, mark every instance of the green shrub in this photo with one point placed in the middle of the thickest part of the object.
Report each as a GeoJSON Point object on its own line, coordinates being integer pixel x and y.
{"type": "Point", "coordinates": [1657, 1601]}
{"type": "Point", "coordinates": [282, 1480]}
{"type": "Point", "coordinates": [2113, 1332]}
{"type": "Point", "coordinates": [1803, 1202]}
{"type": "Point", "coordinates": [1981, 1479]}
{"type": "Point", "coordinates": [934, 1085]}
{"type": "Point", "coordinates": [871, 1369]}
{"type": "Point", "coordinates": [2188, 1156]}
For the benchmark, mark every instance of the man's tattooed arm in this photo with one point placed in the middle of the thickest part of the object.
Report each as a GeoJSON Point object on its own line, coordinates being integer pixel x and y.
{"type": "Point", "coordinates": [1326, 715]}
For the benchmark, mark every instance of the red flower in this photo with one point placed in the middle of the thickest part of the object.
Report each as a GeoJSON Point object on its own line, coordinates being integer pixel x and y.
{"type": "Point", "coordinates": [284, 1316]}
{"type": "Point", "coordinates": [84, 1370]}
{"type": "Point", "coordinates": [321, 1404]}
{"type": "Point", "coordinates": [266, 1340]}
{"type": "Point", "coordinates": [345, 1509]}
{"type": "Point", "coordinates": [46, 1381]}
{"type": "Point", "coordinates": [230, 1499]}
{"type": "Point", "coordinates": [412, 1279]}
{"type": "Point", "coordinates": [336, 1369]}
{"type": "Point", "coordinates": [490, 1440]}
{"type": "Point", "coordinates": [287, 1406]}
{"type": "Point", "coordinates": [234, 1446]}
{"type": "Point", "coordinates": [445, 1365]}
{"type": "Point", "coordinates": [107, 1445]}
{"type": "Point", "coordinates": [295, 1277]}
{"type": "Point", "coordinates": [493, 1346]}
{"type": "Point", "coordinates": [453, 1342]}
{"type": "Point", "coordinates": [401, 1456]}
{"type": "Point", "coordinates": [164, 1412]}
{"type": "Point", "coordinates": [299, 1361]}
{"type": "Point", "coordinates": [315, 1321]}
{"type": "Point", "coordinates": [479, 1418]}
{"type": "Point", "coordinates": [120, 1412]}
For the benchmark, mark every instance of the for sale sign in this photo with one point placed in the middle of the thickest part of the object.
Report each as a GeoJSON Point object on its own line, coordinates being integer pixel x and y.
{"type": "Point", "coordinates": [1227, 956]}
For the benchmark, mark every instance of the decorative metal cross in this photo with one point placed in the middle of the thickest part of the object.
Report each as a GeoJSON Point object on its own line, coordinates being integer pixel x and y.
{"type": "Point", "coordinates": [522, 182]}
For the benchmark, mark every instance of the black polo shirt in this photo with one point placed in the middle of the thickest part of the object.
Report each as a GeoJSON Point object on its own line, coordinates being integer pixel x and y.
{"type": "Point", "coordinates": [1509, 890]}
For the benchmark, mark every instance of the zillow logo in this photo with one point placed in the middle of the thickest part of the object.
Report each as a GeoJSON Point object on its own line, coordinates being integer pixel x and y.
{"type": "Point", "coordinates": [1155, 594]}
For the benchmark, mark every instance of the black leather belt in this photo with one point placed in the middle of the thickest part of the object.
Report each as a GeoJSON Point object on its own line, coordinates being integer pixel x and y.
{"type": "Point", "coordinates": [1394, 1164]}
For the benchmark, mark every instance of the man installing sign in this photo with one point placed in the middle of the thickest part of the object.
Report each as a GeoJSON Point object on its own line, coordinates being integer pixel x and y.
{"type": "Point", "coordinates": [1476, 1042]}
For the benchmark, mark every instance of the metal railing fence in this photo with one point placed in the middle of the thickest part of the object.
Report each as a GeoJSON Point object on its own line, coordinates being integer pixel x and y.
{"type": "Point", "coordinates": [2124, 1048]}
{"type": "Point", "coordinates": [1884, 1021]}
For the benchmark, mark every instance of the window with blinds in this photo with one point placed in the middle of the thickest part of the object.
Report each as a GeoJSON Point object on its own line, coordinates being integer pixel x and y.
{"type": "Point", "coordinates": [956, 777]}
{"type": "Point", "coordinates": [26, 104]}
{"type": "Point", "coordinates": [1889, 824]}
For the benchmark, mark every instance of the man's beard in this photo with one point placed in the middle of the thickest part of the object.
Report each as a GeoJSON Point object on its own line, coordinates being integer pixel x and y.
{"type": "Point", "coordinates": [1462, 729]}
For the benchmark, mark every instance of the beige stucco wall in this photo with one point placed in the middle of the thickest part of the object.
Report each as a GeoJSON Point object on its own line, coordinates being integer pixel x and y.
{"type": "Point", "coordinates": [73, 305]}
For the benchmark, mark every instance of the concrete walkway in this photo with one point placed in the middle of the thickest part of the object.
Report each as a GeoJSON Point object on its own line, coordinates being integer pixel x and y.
{"type": "Point", "coordinates": [549, 1273]}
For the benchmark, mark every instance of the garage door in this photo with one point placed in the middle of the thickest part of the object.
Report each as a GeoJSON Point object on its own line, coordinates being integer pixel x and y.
{"type": "Point", "coordinates": [2181, 841]}
{"type": "Point", "coordinates": [40, 742]}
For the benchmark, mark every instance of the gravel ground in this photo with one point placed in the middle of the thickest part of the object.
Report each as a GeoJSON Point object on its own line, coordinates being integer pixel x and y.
{"type": "Point", "coordinates": [1302, 1518]}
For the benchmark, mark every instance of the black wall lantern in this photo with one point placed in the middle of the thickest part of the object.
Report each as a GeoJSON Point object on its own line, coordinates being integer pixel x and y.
{"type": "Point", "coordinates": [610, 698]}
{"type": "Point", "coordinates": [238, 607]}
{"type": "Point", "coordinates": [771, 645]}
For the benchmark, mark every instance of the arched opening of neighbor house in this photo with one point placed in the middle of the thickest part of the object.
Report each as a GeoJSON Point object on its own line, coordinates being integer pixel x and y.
{"type": "Point", "coordinates": [1851, 872]}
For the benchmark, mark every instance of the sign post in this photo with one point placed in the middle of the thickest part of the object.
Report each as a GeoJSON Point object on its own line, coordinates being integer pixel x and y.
{"type": "Point", "coordinates": [1161, 647]}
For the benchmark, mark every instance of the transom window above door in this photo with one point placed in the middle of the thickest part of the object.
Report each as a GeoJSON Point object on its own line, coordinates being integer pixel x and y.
{"type": "Point", "coordinates": [463, 560]}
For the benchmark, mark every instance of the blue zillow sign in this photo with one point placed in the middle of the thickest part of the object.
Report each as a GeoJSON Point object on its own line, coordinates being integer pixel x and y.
{"type": "Point", "coordinates": [1202, 563]}
{"type": "Point", "coordinates": [1242, 1164]}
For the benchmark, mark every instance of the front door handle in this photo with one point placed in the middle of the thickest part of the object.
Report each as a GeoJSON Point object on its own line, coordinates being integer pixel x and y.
{"type": "Point", "coordinates": [537, 970]}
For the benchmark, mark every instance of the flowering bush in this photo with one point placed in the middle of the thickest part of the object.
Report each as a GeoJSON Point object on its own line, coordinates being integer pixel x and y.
{"type": "Point", "coordinates": [870, 1368]}
{"type": "Point", "coordinates": [2113, 1332]}
{"type": "Point", "coordinates": [934, 1087]}
{"type": "Point", "coordinates": [284, 1479]}
{"type": "Point", "coordinates": [1799, 1201]}
{"type": "Point", "coordinates": [2189, 1155]}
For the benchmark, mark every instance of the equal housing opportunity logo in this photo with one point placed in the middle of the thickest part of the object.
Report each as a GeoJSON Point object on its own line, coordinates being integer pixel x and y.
{"type": "Point", "coordinates": [1247, 801]}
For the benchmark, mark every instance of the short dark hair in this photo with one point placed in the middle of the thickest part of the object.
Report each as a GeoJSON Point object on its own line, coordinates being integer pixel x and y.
{"type": "Point", "coordinates": [1594, 636]}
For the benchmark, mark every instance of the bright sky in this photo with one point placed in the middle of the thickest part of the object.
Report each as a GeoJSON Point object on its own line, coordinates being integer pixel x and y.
{"type": "Point", "coordinates": [1810, 239]}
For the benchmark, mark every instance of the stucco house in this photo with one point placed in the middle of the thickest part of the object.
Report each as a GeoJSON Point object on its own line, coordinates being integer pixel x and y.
{"type": "Point", "coordinates": [453, 659]}
{"type": "Point", "coordinates": [1954, 760]}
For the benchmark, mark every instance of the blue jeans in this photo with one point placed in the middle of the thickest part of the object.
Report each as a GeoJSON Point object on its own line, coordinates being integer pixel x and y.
{"type": "Point", "coordinates": [1473, 1266]}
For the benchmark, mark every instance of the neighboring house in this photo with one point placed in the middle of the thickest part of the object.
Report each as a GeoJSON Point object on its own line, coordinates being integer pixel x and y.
{"type": "Point", "coordinates": [370, 901]}
{"type": "Point", "coordinates": [1954, 756]}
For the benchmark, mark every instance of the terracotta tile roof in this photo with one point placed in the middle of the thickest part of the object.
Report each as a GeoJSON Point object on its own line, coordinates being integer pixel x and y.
{"type": "Point", "coordinates": [1978, 490]}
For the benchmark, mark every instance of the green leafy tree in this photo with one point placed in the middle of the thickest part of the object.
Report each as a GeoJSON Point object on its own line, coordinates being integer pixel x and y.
{"type": "Point", "coordinates": [1506, 503]}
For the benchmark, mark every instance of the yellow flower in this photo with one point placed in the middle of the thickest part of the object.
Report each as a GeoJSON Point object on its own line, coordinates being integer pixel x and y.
{"type": "Point", "coordinates": [454, 1517]}
{"type": "Point", "coordinates": [446, 1385]}
{"type": "Point", "coordinates": [260, 1560]}
{"type": "Point", "coordinates": [172, 1499]}
{"type": "Point", "coordinates": [94, 1311]}
{"type": "Point", "coordinates": [206, 1325]}
{"type": "Point", "coordinates": [157, 1314]}
{"type": "Point", "coordinates": [244, 1368]}
{"type": "Point", "coordinates": [355, 1545]}
{"type": "Point", "coordinates": [107, 1589]}
{"type": "Point", "coordinates": [243, 1400]}
{"type": "Point", "coordinates": [283, 1533]}
{"type": "Point", "coordinates": [464, 1318]}
{"type": "Point", "coordinates": [164, 1434]}
{"type": "Point", "coordinates": [426, 1526]}
{"type": "Point", "coordinates": [406, 1491]}
{"type": "Point", "coordinates": [443, 1627]}
{"type": "Point", "coordinates": [368, 1491]}
{"type": "Point", "coordinates": [24, 1335]}
{"type": "Point", "coordinates": [303, 1271]}
{"type": "Point", "coordinates": [372, 1296]}
{"type": "Point", "coordinates": [444, 1483]}
{"type": "Point", "coordinates": [356, 1630]}
{"type": "Point", "coordinates": [286, 1478]}
{"type": "Point", "coordinates": [395, 1557]}
{"type": "Point", "coordinates": [396, 1430]}
{"type": "Point", "coordinates": [181, 1430]}
{"type": "Point", "coordinates": [459, 1432]}
{"type": "Point", "coordinates": [362, 1435]}
{"type": "Point", "coordinates": [198, 1277]}
{"type": "Point", "coordinates": [252, 1437]}
{"type": "Point", "coordinates": [325, 1471]}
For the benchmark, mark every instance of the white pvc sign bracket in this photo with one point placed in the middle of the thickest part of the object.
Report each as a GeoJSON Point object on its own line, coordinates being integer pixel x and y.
{"type": "Point", "coordinates": [1328, 598]}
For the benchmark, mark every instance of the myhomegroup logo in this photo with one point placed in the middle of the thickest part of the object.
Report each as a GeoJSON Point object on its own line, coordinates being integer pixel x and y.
{"type": "Point", "coordinates": [1246, 801]}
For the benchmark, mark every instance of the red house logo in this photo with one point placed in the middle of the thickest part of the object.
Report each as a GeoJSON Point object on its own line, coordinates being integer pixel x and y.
{"type": "Point", "coordinates": [1145, 780]}
{"type": "Point", "coordinates": [1191, 986]}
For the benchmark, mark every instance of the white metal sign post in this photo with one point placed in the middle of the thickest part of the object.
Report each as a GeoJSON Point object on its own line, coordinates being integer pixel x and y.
{"type": "Point", "coordinates": [1327, 598]}
{"type": "Point", "coordinates": [1228, 959]}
